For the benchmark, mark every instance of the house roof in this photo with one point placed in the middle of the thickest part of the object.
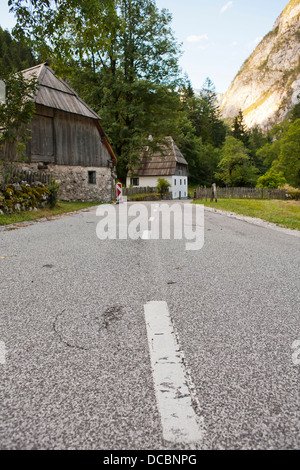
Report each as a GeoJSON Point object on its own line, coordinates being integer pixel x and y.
{"type": "Point", "coordinates": [160, 163]}
{"type": "Point", "coordinates": [56, 93]}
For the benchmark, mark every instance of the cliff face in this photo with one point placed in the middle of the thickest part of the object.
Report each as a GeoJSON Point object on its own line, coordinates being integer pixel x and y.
{"type": "Point", "coordinates": [268, 84]}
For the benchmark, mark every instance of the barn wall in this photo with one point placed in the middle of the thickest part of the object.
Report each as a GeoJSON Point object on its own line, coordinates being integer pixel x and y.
{"type": "Point", "coordinates": [74, 182]}
{"type": "Point", "coordinates": [66, 139]}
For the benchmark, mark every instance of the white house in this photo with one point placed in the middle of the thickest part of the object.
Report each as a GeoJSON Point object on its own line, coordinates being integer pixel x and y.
{"type": "Point", "coordinates": [169, 163]}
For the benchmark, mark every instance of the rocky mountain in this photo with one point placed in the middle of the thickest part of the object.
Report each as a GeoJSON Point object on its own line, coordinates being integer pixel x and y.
{"type": "Point", "coordinates": [268, 84]}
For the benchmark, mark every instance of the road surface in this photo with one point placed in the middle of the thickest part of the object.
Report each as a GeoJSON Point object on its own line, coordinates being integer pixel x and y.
{"type": "Point", "coordinates": [77, 367]}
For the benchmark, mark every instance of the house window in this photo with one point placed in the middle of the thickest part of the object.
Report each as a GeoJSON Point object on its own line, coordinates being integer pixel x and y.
{"type": "Point", "coordinates": [185, 181]}
{"type": "Point", "coordinates": [134, 181]}
{"type": "Point", "coordinates": [92, 177]}
{"type": "Point", "coordinates": [174, 181]}
{"type": "Point", "coordinates": [180, 182]}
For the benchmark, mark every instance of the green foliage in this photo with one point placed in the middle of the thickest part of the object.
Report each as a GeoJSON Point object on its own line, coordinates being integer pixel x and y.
{"type": "Point", "coordinates": [239, 130]}
{"type": "Point", "coordinates": [203, 114]}
{"type": "Point", "coordinates": [283, 154]}
{"type": "Point", "coordinates": [53, 189]}
{"type": "Point", "coordinates": [15, 115]}
{"type": "Point", "coordinates": [269, 153]}
{"type": "Point", "coordinates": [271, 179]}
{"type": "Point", "coordinates": [235, 168]}
{"type": "Point", "coordinates": [163, 186]}
{"type": "Point", "coordinates": [257, 139]}
{"type": "Point", "coordinates": [14, 55]}
{"type": "Point", "coordinates": [289, 157]}
{"type": "Point", "coordinates": [295, 113]}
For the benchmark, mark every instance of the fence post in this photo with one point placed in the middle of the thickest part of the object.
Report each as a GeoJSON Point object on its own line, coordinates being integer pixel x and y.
{"type": "Point", "coordinates": [214, 193]}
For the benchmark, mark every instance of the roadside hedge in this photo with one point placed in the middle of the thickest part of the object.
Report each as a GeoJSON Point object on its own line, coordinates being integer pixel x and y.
{"type": "Point", "coordinates": [18, 197]}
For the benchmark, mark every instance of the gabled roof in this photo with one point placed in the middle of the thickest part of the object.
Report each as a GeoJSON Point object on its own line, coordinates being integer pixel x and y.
{"type": "Point", "coordinates": [56, 93]}
{"type": "Point", "coordinates": [160, 163]}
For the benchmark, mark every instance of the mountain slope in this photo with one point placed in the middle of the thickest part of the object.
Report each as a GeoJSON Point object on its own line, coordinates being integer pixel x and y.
{"type": "Point", "coordinates": [268, 84]}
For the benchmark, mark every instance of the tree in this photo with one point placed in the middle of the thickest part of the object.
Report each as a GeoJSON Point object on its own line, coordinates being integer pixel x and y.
{"type": "Point", "coordinates": [257, 139]}
{"type": "Point", "coordinates": [235, 168]}
{"type": "Point", "coordinates": [295, 113]}
{"type": "Point", "coordinates": [239, 129]}
{"type": "Point", "coordinates": [120, 56]}
{"type": "Point", "coordinates": [283, 153]}
{"type": "Point", "coordinates": [203, 112]}
{"type": "Point", "coordinates": [289, 157]}
{"type": "Point", "coordinates": [271, 179]}
{"type": "Point", "coordinates": [269, 153]}
{"type": "Point", "coordinates": [14, 55]}
{"type": "Point", "coordinates": [15, 115]}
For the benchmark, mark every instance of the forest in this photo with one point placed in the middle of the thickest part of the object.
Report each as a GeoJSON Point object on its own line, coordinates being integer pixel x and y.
{"type": "Point", "coordinates": [122, 59]}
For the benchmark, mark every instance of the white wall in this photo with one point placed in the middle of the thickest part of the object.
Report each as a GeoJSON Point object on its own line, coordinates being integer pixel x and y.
{"type": "Point", "coordinates": [179, 186]}
{"type": "Point", "coordinates": [150, 181]}
{"type": "Point", "coordinates": [175, 181]}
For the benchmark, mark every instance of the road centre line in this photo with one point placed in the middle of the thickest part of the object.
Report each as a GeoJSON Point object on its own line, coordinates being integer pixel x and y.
{"type": "Point", "coordinates": [180, 423]}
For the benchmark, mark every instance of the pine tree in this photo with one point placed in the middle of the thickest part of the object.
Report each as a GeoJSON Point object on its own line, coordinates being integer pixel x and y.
{"type": "Point", "coordinates": [239, 130]}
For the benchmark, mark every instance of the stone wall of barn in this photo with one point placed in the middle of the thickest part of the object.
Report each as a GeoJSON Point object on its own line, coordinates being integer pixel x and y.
{"type": "Point", "coordinates": [79, 183]}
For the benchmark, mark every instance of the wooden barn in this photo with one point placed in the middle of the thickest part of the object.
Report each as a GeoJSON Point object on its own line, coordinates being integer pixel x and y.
{"type": "Point", "coordinates": [167, 163]}
{"type": "Point", "coordinates": [67, 140]}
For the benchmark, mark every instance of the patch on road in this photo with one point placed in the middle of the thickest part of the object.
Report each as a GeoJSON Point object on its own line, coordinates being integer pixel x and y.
{"type": "Point", "coordinates": [84, 331]}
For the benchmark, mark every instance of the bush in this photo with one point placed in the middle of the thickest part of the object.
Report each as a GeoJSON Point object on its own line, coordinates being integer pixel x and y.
{"type": "Point", "coordinates": [271, 179]}
{"type": "Point", "coordinates": [163, 186]}
{"type": "Point", "coordinates": [292, 193]}
{"type": "Point", "coordinates": [53, 193]}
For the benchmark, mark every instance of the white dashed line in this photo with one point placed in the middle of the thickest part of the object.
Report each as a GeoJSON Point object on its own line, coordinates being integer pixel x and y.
{"type": "Point", "coordinates": [3, 351]}
{"type": "Point", "coordinates": [180, 423]}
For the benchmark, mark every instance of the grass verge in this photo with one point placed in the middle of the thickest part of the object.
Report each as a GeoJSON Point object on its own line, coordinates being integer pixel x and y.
{"type": "Point", "coordinates": [283, 213]}
{"type": "Point", "coordinates": [61, 208]}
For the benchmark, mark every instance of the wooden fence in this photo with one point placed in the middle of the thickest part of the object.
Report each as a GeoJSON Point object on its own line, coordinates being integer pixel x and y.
{"type": "Point", "coordinates": [240, 193]}
{"type": "Point", "coordinates": [137, 190]}
{"type": "Point", "coordinates": [17, 175]}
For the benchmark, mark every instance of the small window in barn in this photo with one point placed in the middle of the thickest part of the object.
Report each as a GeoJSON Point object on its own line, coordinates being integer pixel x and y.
{"type": "Point", "coordinates": [92, 177]}
{"type": "Point", "coordinates": [134, 181]}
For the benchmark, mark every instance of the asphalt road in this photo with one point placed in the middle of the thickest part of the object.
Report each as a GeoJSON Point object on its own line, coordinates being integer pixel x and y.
{"type": "Point", "coordinates": [76, 372]}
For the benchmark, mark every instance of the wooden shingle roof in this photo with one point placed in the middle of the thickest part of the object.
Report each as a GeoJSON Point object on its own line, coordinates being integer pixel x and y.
{"type": "Point", "coordinates": [56, 93]}
{"type": "Point", "coordinates": [160, 163]}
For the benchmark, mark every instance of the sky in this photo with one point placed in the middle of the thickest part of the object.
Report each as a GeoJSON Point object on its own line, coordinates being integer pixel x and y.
{"type": "Point", "coordinates": [217, 36]}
